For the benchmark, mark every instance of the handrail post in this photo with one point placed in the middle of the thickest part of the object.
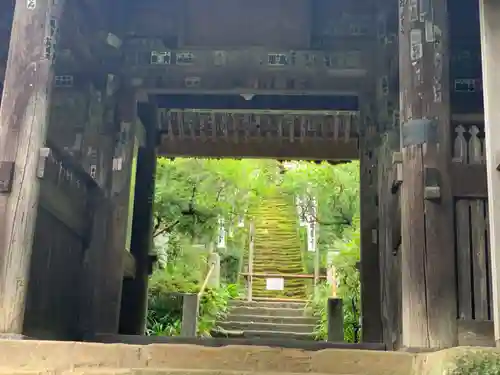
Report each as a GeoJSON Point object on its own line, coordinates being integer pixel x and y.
{"type": "Point", "coordinates": [317, 258]}
{"type": "Point", "coordinates": [214, 271]}
{"type": "Point", "coordinates": [250, 260]}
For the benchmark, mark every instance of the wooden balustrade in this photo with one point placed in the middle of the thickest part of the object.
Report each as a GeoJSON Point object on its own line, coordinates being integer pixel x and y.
{"type": "Point", "coordinates": [243, 126]}
{"type": "Point", "coordinates": [471, 221]}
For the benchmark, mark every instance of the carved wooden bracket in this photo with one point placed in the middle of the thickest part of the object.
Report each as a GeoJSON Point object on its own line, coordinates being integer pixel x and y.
{"type": "Point", "coordinates": [42, 160]}
{"type": "Point", "coordinates": [397, 170]}
{"type": "Point", "coordinates": [432, 181]}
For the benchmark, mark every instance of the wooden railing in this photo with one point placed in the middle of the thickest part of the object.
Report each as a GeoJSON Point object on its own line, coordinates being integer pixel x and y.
{"type": "Point", "coordinates": [191, 306]}
{"type": "Point", "coordinates": [207, 278]}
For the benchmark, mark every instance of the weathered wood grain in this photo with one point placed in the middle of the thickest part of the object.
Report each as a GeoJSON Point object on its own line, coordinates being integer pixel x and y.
{"type": "Point", "coordinates": [429, 291]}
{"type": "Point", "coordinates": [415, 326]}
{"type": "Point", "coordinates": [23, 127]}
{"type": "Point", "coordinates": [389, 219]}
{"type": "Point", "coordinates": [370, 262]}
{"type": "Point", "coordinates": [464, 255]}
{"type": "Point", "coordinates": [479, 265]}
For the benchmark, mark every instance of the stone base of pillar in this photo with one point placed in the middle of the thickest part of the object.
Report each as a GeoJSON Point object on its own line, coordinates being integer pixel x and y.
{"type": "Point", "coordinates": [13, 336]}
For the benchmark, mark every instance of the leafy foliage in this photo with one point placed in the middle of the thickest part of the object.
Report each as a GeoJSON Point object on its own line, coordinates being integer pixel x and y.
{"type": "Point", "coordinates": [348, 277]}
{"type": "Point", "coordinates": [193, 195]}
{"type": "Point", "coordinates": [184, 276]}
{"type": "Point", "coordinates": [477, 363]}
{"type": "Point", "coordinates": [348, 290]}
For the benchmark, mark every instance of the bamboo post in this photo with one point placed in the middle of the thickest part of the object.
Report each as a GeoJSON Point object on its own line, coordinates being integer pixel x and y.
{"type": "Point", "coordinates": [250, 260]}
{"type": "Point", "coordinates": [316, 266]}
{"type": "Point", "coordinates": [332, 280]}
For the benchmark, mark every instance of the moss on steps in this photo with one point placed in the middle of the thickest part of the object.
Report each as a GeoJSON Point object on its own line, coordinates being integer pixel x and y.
{"type": "Point", "coordinates": [277, 247]}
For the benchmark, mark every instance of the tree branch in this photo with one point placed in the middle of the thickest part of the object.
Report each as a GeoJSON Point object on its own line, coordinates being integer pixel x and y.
{"type": "Point", "coordinates": [166, 229]}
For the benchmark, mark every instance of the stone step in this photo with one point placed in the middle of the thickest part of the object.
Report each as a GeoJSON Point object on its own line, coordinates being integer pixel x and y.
{"type": "Point", "coordinates": [246, 326]}
{"type": "Point", "coordinates": [271, 319]}
{"type": "Point", "coordinates": [281, 312]}
{"type": "Point", "coordinates": [20, 371]}
{"type": "Point", "coordinates": [268, 304]}
{"type": "Point", "coordinates": [160, 371]}
{"type": "Point", "coordinates": [267, 334]}
{"type": "Point", "coordinates": [31, 355]}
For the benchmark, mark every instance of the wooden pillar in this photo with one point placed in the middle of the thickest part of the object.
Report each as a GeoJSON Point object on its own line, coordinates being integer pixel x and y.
{"type": "Point", "coordinates": [106, 258]}
{"type": "Point", "coordinates": [370, 268]}
{"type": "Point", "coordinates": [102, 265]}
{"type": "Point", "coordinates": [490, 39]}
{"type": "Point", "coordinates": [389, 218]}
{"type": "Point", "coordinates": [23, 128]}
{"type": "Point", "coordinates": [428, 254]}
{"type": "Point", "coordinates": [135, 290]}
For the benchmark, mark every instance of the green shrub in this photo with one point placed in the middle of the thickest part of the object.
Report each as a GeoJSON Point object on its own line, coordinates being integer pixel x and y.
{"type": "Point", "coordinates": [165, 309]}
{"type": "Point", "coordinates": [214, 307]}
{"type": "Point", "coordinates": [348, 290]}
{"type": "Point", "coordinates": [477, 363]}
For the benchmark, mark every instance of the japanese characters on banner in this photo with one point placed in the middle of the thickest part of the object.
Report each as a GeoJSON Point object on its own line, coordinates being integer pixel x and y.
{"type": "Point", "coordinates": [221, 241]}
{"type": "Point", "coordinates": [312, 226]}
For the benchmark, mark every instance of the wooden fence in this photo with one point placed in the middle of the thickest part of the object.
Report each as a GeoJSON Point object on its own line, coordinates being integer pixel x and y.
{"type": "Point", "coordinates": [62, 234]}
{"type": "Point", "coordinates": [471, 229]}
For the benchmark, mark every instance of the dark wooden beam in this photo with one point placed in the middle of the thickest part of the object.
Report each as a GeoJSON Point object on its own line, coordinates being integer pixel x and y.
{"type": "Point", "coordinates": [262, 148]}
{"type": "Point", "coordinates": [135, 289]}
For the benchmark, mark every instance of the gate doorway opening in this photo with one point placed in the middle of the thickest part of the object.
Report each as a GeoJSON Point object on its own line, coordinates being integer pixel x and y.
{"type": "Point", "coordinates": [283, 130]}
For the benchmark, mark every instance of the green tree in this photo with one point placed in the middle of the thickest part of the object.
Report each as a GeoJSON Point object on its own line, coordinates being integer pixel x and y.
{"type": "Point", "coordinates": [192, 196]}
{"type": "Point", "coordinates": [335, 189]}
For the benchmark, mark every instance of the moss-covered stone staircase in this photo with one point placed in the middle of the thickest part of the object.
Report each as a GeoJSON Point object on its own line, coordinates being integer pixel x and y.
{"type": "Point", "coordinates": [276, 314]}
{"type": "Point", "coordinates": [277, 248]}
